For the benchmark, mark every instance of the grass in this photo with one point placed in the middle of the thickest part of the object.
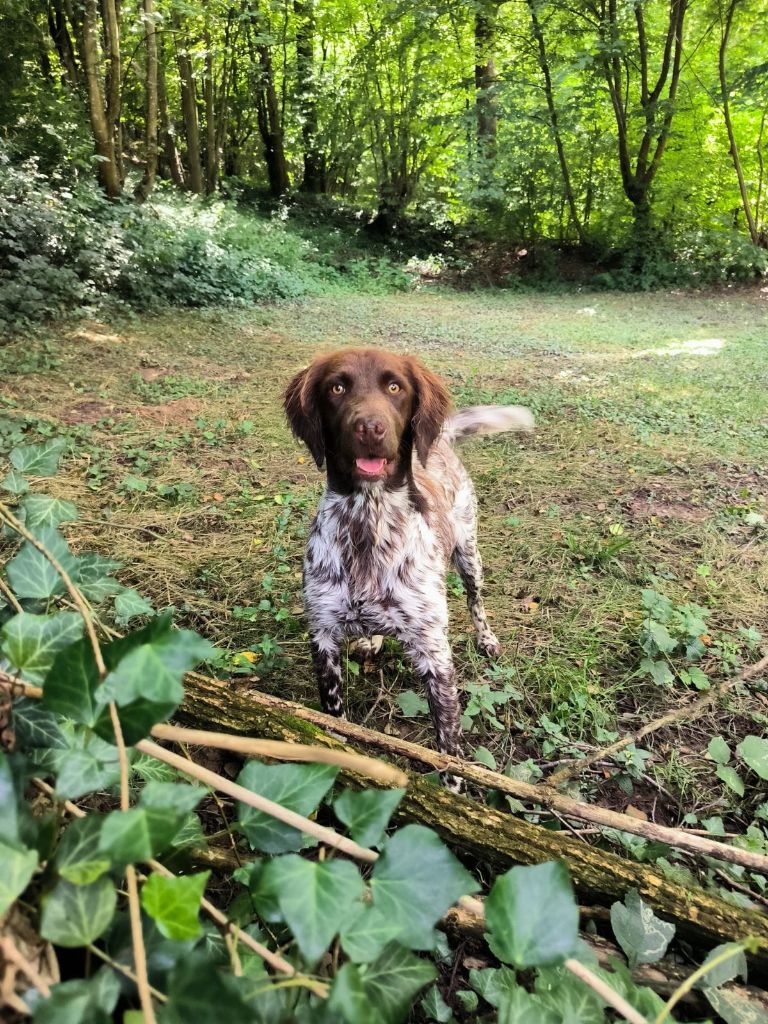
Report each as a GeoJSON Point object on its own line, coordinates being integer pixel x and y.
{"type": "Point", "coordinates": [647, 470]}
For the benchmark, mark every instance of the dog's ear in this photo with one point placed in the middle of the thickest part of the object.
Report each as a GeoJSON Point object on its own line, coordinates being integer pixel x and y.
{"type": "Point", "coordinates": [431, 408]}
{"type": "Point", "coordinates": [300, 402]}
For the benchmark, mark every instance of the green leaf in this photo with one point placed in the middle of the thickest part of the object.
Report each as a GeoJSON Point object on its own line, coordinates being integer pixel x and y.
{"type": "Point", "coordinates": [178, 797]}
{"type": "Point", "coordinates": [30, 574]}
{"type": "Point", "coordinates": [76, 915]}
{"type": "Point", "coordinates": [532, 916]}
{"type": "Point", "coordinates": [31, 642]}
{"type": "Point", "coordinates": [521, 1007]}
{"type": "Point", "coordinates": [348, 1000]}
{"type": "Point", "coordinates": [129, 605]}
{"type": "Point", "coordinates": [9, 801]}
{"type": "Point", "coordinates": [15, 483]}
{"type": "Point", "coordinates": [754, 752]}
{"type": "Point", "coordinates": [299, 787]}
{"type": "Point", "coordinates": [44, 513]}
{"type": "Point", "coordinates": [736, 1008]}
{"type": "Point", "coordinates": [70, 686]}
{"type": "Point", "coordinates": [366, 934]}
{"type": "Point", "coordinates": [35, 727]}
{"type": "Point", "coordinates": [411, 704]}
{"type": "Point", "coordinates": [174, 904]}
{"type": "Point", "coordinates": [18, 866]}
{"type": "Point", "coordinates": [151, 770]}
{"type": "Point", "coordinates": [660, 636]}
{"type": "Point", "coordinates": [38, 459]}
{"type": "Point", "coordinates": [731, 778]}
{"type": "Point", "coordinates": [79, 858]}
{"type": "Point", "coordinates": [199, 993]}
{"type": "Point", "coordinates": [93, 767]}
{"type": "Point", "coordinates": [366, 813]}
{"type": "Point", "coordinates": [90, 1001]}
{"type": "Point", "coordinates": [695, 677]}
{"type": "Point", "coordinates": [568, 998]}
{"type": "Point", "coordinates": [493, 983]}
{"type": "Point", "coordinates": [719, 750]}
{"type": "Point", "coordinates": [139, 833]}
{"type": "Point", "coordinates": [392, 982]}
{"type": "Point", "coordinates": [315, 898]}
{"type": "Point", "coordinates": [643, 936]}
{"type": "Point", "coordinates": [414, 882]}
{"type": "Point", "coordinates": [434, 1007]}
{"type": "Point", "coordinates": [484, 756]}
{"type": "Point", "coordinates": [659, 671]}
{"type": "Point", "coordinates": [735, 966]}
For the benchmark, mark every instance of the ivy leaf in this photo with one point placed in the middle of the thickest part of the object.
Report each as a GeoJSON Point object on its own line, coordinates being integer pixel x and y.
{"type": "Point", "coordinates": [78, 858]}
{"type": "Point", "coordinates": [643, 936]}
{"type": "Point", "coordinates": [315, 898]}
{"type": "Point", "coordinates": [174, 904]}
{"type": "Point", "coordinates": [493, 983]}
{"type": "Point", "coordinates": [392, 982]}
{"type": "Point", "coordinates": [366, 814]}
{"type": "Point", "coordinates": [93, 766]}
{"type": "Point", "coordinates": [9, 815]}
{"type": "Point", "coordinates": [177, 797]}
{"type": "Point", "coordinates": [366, 933]}
{"type": "Point", "coordinates": [90, 1001]}
{"type": "Point", "coordinates": [414, 882]}
{"type": "Point", "coordinates": [198, 991]}
{"type": "Point", "coordinates": [719, 750]}
{"type": "Point", "coordinates": [568, 998]}
{"type": "Point", "coordinates": [129, 604]}
{"type": "Point", "coordinates": [434, 1007]}
{"type": "Point", "coordinates": [38, 459]}
{"type": "Point", "coordinates": [139, 833]}
{"type": "Point", "coordinates": [532, 915]}
{"type": "Point", "coordinates": [15, 483]}
{"type": "Point", "coordinates": [735, 966]}
{"type": "Point", "coordinates": [30, 574]}
{"type": "Point", "coordinates": [31, 642]}
{"type": "Point", "coordinates": [299, 787]}
{"type": "Point", "coordinates": [521, 1007]}
{"type": "Point", "coordinates": [18, 866]}
{"type": "Point", "coordinates": [735, 1008]}
{"type": "Point", "coordinates": [76, 915]}
{"type": "Point", "coordinates": [754, 752]}
{"type": "Point", "coordinates": [411, 704]}
{"type": "Point", "coordinates": [731, 778]}
{"type": "Point", "coordinates": [45, 513]}
{"type": "Point", "coordinates": [35, 727]}
{"type": "Point", "coordinates": [348, 1000]}
{"type": "Point", "coordinates": [70, 686]}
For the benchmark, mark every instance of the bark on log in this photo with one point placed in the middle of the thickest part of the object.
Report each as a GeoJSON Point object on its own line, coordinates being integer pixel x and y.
{"type": "Point", "coordinates": [478, 832]}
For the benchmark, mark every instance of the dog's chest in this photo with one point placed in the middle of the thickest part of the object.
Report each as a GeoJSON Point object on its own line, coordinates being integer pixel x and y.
{"type": "Point", "coordinates": [373, 564]}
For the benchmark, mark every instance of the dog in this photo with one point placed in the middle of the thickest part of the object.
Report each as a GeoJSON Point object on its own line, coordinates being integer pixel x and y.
{"type": "Point", "coordinates": [398, 507]}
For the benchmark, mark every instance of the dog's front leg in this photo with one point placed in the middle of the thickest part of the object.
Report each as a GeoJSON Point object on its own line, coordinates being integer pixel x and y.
{"type": "Point", "coordinates": [432, 661]}
{"type": "Point", "coordinates": [326, 658]}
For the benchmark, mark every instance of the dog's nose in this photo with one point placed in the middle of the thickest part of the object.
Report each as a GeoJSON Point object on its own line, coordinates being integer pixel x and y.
{"type": "Point", "coordinates": [369, 428]}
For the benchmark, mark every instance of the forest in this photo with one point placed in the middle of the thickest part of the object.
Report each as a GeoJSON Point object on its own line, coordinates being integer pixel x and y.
{"type": "Point", "coordinates": [553, 204]}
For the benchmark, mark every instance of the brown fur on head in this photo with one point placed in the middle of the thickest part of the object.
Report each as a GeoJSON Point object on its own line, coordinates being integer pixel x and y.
{"type": "Point", "coordinates": [364, 410]}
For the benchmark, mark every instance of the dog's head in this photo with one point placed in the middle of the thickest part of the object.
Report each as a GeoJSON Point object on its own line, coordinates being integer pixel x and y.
{"type": "Point", "coordinates": [363, 411]}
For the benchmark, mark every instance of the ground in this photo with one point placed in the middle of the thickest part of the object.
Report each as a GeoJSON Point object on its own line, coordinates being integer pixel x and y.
{"type": "Point", "coordinates": [647, 472]}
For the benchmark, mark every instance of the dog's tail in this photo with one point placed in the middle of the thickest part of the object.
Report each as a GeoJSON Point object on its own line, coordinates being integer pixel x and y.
{"type": "Point", "coordinates": [487, 419]}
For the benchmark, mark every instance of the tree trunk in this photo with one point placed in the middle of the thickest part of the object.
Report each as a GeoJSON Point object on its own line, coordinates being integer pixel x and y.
{"type": "Point", "coordinates": [268, 112]}
{"type": "Point", "coordinates": [485, 83]}
{"type": "Point", "coordinates": [57, 26]}
{"type": "Point", "coordinates": [314, 178]}
{"type": "Point", "coordinates": [147, 182]}
{"type": "Point", "coordinates": [211, 156]}
{"type": "Point", "coordinates": [734, 149]}
{"type": "Point", "coordinates": [480, 832]}
{"type": "Point", "coordinates": [114, 78]}
{"type": "Point", "coordinates": [554, 121]}
{"type": "Point", "coordinates": [189, 112]}
{"type": "Point", "coordinates": [167, 131]}
{"type": "Point", "coordinates": [108, 170]}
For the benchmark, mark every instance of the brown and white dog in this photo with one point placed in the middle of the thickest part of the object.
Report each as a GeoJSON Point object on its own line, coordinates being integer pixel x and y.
{"type": "Point", "coordinates": [397, 508]}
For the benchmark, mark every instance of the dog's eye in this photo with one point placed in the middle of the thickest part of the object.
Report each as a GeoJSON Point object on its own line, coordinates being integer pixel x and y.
{"type": "Point", "coordinates": [394, 387]}
{"type": "Point", "coordinates": [338, 389]}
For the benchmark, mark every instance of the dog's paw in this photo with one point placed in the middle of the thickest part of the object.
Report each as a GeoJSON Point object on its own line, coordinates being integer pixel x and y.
{"type": "Point", "coordinates": [365, 650]}
{"type": "Point", "coordinates": [453, 783]}
{"type": "Point", "coordinates": [489, 645]}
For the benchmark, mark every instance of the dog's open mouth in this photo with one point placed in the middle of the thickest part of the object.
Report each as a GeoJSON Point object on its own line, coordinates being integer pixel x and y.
{"type": "Point", "coordinates": [370, 467]}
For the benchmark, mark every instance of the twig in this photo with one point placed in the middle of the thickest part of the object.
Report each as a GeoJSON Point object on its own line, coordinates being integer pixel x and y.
{"type": "Point", "coordinates": [730, 951]}
{"type": "Point", "coordinates": [10, 596]}
{"type": "Point", "coordinates": [368, 766]}
{"type": "Point", "coordinates": [15, 957]}
{"type": "Point", "coordinates": [687, 711]}
{"type": "Point", "coordinates": [213, 912]}
{"type": "Point", "coordinates": [540, 794]}
{"type": "Point", "coordinates": [126, 971]}
{"type": "Point", "coordinates": [260, 803]}
{"type": "Point", "coordinates": [614, 1000]}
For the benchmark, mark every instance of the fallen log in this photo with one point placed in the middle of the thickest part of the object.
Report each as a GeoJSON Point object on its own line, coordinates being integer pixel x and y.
{"type": "Point", "coordinates": [485, 834]}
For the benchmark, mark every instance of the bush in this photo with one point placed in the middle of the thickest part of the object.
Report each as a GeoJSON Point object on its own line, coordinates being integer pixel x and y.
{"type": "Point", "coordinates": [65, 249]}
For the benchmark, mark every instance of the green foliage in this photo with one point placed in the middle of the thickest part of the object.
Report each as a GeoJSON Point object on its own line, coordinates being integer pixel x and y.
{"type": "Point", "coordinates": [643, 936]}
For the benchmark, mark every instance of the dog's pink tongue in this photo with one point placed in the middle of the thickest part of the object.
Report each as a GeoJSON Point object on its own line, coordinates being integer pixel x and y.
{"type": "Point", "coordinates": [370, 465]}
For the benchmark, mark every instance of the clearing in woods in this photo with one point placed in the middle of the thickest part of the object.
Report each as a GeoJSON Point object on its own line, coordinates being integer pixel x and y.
{"type": "Point", "coordinates": [648, 472]}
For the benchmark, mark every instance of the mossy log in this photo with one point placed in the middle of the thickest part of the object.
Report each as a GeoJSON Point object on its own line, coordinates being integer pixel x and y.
{"type": "Point", "coordinates": [481, 833]}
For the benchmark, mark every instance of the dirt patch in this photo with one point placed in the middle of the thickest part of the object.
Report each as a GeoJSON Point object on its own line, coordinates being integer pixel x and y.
{"type": "Point", "coordinates": [89, 411]}
{"type": "Point", "coordinates": [645, 504]}
{"type": "Point", "coordinates": [180, 411]}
